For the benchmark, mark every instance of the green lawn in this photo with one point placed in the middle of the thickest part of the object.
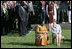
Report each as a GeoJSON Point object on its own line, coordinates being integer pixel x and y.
{"type": "Point", "coordinates": [13, 40]}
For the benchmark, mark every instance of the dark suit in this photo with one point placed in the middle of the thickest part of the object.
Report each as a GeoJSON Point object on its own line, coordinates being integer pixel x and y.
{"type": "Point", "coordinates": [4, 21]}
{"type": "Point", "coordinates": [22, 17]}
{"type": "Point", "coordinates": [1, 22]}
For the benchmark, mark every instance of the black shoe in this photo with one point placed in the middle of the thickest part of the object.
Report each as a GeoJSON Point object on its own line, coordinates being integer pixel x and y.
{"type": "Point", "coordinates": [63, 40]}
{"type": "Point", "coordinates": [20, 35]}
{"type": "Point", "coordinates": [48, 29]}
{"type": "Point", "coordinates": [24, 33]}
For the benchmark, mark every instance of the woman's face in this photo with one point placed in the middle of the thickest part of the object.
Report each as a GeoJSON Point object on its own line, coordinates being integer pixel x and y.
{"type": "Point", "coordinates": [54, 1]}
{"type": "Point", "coordinates": [67, 2]}
{"type": "Point", "coordinates": [54, 22]}
{"type": "Point", "coordinates": [5, 6]}
{"type": "Point", "coordinates": [49, 2]}
{"type": "Point", "coordinates": [15, 2]}
{"type": "Point", "coordinates": [1, 2]}
{"type": "Point", "coordinates": [70, 2]}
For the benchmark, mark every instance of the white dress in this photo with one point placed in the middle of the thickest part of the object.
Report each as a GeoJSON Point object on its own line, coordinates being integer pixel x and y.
{"type": "Point", "coordinates": [56, 29]}
{"type": "Point", "coordinates": [69, 15]}
{"type": "Point", "coordinates": [55, 11]}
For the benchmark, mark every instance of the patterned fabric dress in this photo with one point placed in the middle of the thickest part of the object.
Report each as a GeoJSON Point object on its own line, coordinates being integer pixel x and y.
{"type": "Point", "coordinates": [41, 39]}
{"type": "Point", "coordinates": [50, 12]}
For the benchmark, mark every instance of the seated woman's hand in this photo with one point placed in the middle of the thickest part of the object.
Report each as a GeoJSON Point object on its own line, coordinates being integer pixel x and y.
{"type": "Point", "coordinates": [44, 32]}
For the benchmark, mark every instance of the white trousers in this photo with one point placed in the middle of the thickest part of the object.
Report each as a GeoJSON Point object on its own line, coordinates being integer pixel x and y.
{"type": "Point", "coordinates": [69, 16]}
{"type": "Point", "coordinates": [55, 14]}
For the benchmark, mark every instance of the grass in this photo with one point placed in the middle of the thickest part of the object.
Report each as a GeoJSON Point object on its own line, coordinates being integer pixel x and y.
{"type": "Point", "coordinates": [13, 40]}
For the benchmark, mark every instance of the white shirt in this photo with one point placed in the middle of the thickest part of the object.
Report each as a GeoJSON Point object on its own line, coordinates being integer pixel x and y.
{"type": "Point", "coordinates": [56, 29]}
{"type": "Point", "coordinates": [55, 11]}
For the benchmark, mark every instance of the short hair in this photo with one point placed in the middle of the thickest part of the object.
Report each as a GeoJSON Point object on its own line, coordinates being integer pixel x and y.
{"type": "Point", "coordinates": [54, 20]}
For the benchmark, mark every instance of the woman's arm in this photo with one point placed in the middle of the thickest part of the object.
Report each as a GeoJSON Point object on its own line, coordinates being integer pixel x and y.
{"type": "Point", "coordinates": [60, 29]}
{"type": "Point", "coordinates": [37, 31]}
{"type": "Point", "coordinates": [25, 3]}
{"type": "Point", "coordinates": [47, 10]}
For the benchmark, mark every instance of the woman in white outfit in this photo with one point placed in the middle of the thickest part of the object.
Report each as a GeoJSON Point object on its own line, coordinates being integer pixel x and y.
{"type": "Point", "coordinates": [55, 10]}
{"type": "Point", "coordinates": [69, 11]}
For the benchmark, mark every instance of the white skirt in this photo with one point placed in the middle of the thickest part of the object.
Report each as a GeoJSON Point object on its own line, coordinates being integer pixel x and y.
{"type": "Point", "coordinates": [55, 14]}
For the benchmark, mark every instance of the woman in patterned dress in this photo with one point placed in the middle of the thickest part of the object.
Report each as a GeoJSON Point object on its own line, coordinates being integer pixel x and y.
{"type": "Point", "coordinates": [49, 9]}
{"type": "Point", "coordinates": [41, 35]}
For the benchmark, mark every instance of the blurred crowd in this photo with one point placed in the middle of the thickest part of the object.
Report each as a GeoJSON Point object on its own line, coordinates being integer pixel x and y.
{"type": "Point", "coordinates": [11, 10]}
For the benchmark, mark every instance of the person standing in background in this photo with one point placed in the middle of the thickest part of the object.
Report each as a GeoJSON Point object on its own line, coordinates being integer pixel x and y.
{"type": "Point", "coordinates": [69, 11]}
{"type": "Point", "coordinates": [30, 14]}
{"type": "Point", "coordinates": [22, 16]}
{"type": "Point", "coordinates": [50, 12]}
{"type": "Point", "coordinates": [5, 18]}
{"type": "Point", "coordinates": [55, 10]}
{"type": "Point", "coordinates": [58, 11]}
{"type": "Point", "coordinates": [1, 18]}
{"type": "Point", "coordinates": [42, 10]}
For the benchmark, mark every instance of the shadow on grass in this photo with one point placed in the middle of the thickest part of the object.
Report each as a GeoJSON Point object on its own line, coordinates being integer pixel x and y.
{"type": "Point", "coordinates": [25, 44]}
{"type": "Point", "coordinates": [69, 40]}
{"type": "Point", "coordinates": [14, 33]}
